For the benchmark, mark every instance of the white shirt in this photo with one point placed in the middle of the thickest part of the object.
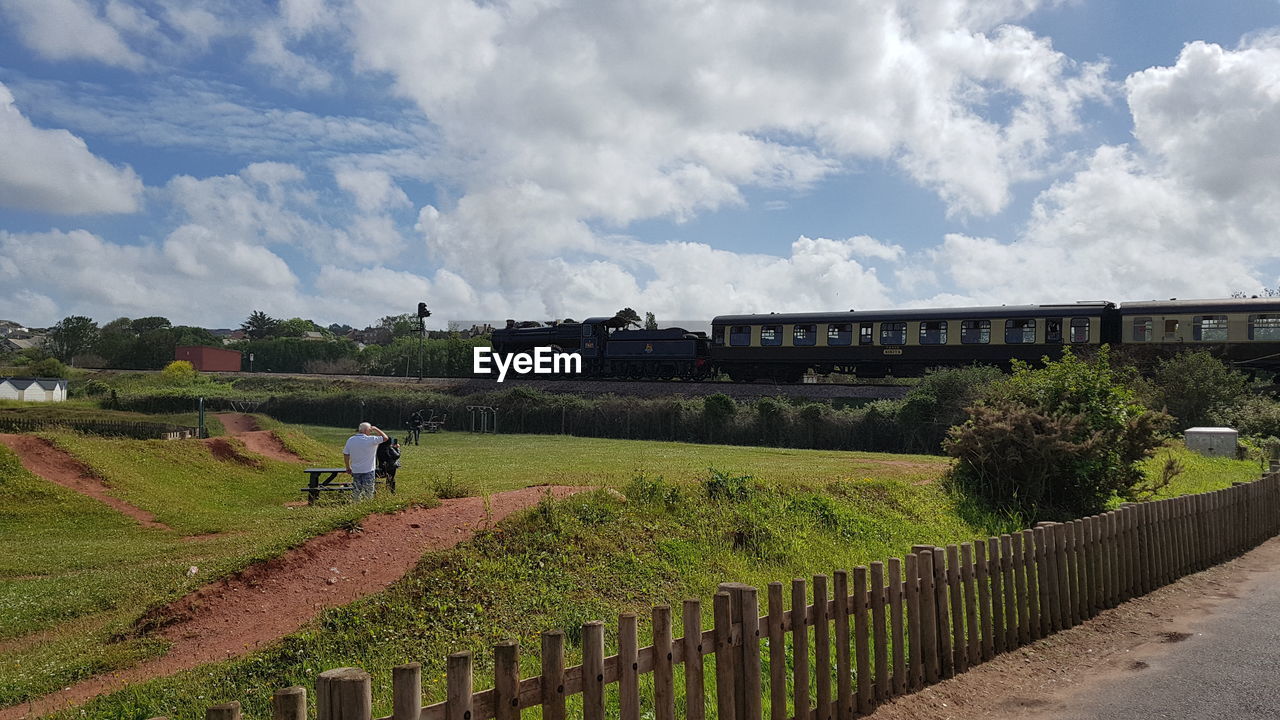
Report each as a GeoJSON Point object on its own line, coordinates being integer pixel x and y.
{"type": "Point", "coordinates": [363, 450]}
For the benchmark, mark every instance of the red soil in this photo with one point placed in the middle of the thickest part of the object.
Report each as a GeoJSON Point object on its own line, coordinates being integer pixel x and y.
{"type": "Point", "coordinates": [271, 599]}
{"type": "Point", "coordinates": [262, 442]}
{"type": "Point", "coordinates": [40, 457]}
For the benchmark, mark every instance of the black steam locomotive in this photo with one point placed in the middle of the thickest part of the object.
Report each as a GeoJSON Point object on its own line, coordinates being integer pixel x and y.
{"type": "Point", "coordinates": [611, 350]}
{"type": "Point", "coordinates": [784, 347]}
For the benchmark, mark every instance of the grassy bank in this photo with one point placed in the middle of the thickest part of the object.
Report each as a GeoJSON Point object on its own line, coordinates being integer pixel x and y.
{"type": "Point", "coordinates": [86, 573]}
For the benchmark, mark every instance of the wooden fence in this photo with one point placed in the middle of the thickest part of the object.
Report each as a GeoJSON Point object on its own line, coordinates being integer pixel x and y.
{"type": "Point", "coordinates": [110, 428]}
{"type": "Point", "coordinates": [847, 642]}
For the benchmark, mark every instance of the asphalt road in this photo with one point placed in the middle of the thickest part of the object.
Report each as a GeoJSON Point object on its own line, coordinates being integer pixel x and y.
{"type": "Point", "coordinates": [1226, 668]}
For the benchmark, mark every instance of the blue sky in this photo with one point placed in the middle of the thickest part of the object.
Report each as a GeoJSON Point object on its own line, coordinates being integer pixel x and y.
{"type": "Point", "coordinates": [343, 159]}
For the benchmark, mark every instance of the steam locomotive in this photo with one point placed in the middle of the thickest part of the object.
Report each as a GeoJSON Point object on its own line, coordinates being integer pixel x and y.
{"type": "Point", "coordinates": [784, 347]}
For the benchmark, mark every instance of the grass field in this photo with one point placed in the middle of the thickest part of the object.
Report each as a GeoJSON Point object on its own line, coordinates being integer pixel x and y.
{"type": "Point", "coordinates": [86, 573]}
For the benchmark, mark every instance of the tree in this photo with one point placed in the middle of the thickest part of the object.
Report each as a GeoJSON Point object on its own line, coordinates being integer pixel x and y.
{"type": "Point", "coordinates": [142, 326]}
{"type": "Point", "coordinates": [297, 327]}
{"type": "Point", "coordinates": [180, 372]}
{"type": "Point", "coordinates": [337, 329]}
{"type": "Point", "coordinates": [626, 317]}
{"type": "Point", "coordinates": [260, 325]}
{"type": "Point", "coordinates": [398, 326]}
{"type": "Point", "coordinates": [650, 322]}
{"type": "Point", "coordinates": [73, 335]}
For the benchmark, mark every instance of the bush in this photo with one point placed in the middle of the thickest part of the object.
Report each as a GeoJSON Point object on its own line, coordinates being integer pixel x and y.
{"type": "Point", "coordinates": [47, 368]}
{"type": "Point", "coordinates": [449, 487]}
{"type": "Point", "coordinates": [939, 402]}
{"type": "Point", "coordinates": [1190, 385]}
{"type": "Point", "coordinates": [1059, 441]}
{"type": "Point", "coordinates": [179, 372]}
{"type": "Point", "coordinates": [1254, 416]}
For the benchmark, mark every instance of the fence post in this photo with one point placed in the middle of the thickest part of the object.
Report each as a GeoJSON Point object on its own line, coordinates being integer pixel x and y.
{"type": "Point", "coordinates": [777, 656]}
{"type": "Point", "coordinates": [745, 613]}
{"type": "Point", "coordinates": [457, 704]}
{"type": "Point", "coordinates": [973, 638]}
{"type": "Point", "coordinates": [344, 694]}
{"type": "Point", "coordinates": [845, 701]}
{"type": "Point", "coordinates": [592, 671]}
{"type": "Point", "coordinates": [406, 692]}
{"type": "Point", "coordinates": [726, 689]}
{"type": "Point", "coordinates": [506, 681]}
{"type": "Point", "coordinates": [897, 636]}
{"type": "Point", "coordinates": [225, 711]}
{"type": "Point", "coordinates": [800, 647]}
{"type": "Point", "coordinates": [879, 638]}
{"type": "Point", "coordinates": [928, 618]}
{"type": "Point", "coordinates": [946, 652]}
{"type": "Point", "coordinates": [628, 669]}
{"type": "Point", "coordinates": [821, 649]}
{"type": "Point", "coordinates": [290, 704]}
{"type": "Point", "coordinates": [664, 695]}
{"type": "Point", "coordinates": [553, 675]}
{"type": "Point", "coordinates": [915, 657]}
{"type": "Point", "coordinates": [861, 645]}
{"type": "Point", "coordinates": [695, 701]}
{"type": "Point", "coordinates": [990, 616]}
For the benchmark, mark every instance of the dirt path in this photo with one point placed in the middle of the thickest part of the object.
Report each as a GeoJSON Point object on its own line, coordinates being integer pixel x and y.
{"type": "Point", "coordinates": [269, 600]}
{"type": "Point", "coordinates": [263, 442]}
{"type": "Point", "coordinates": [1057, 676]}
{"type": "Point", "coordinates": [43, 459]}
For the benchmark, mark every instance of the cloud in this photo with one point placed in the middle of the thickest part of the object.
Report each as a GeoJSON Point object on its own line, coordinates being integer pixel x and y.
{"type": "Point", "coordinates": [1189, 210]}
{"type": "Point", "coordinates": [53, 171]}
{"type": "Point", "coordinates": [75, 30]}
{"type": "Point", "coordinates": [188, 277]}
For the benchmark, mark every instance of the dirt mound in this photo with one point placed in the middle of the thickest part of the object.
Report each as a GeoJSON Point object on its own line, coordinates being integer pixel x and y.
{"type": "Point", "coordinates": [223, 450]}
{"type": "Point", "coordinates": [40, 457]}
{"type": "Point", "coordinates": [263, 442]}
{"type": "Point", "coordinates": [271, 599]}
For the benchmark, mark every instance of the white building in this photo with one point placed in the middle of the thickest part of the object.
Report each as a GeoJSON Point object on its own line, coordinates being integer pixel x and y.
{"type": "Point", "coordinates": [33, 389]}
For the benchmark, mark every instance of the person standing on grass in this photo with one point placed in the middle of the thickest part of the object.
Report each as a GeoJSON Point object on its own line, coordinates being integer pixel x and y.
{"type": "Point", "coordinates": [361, 457]}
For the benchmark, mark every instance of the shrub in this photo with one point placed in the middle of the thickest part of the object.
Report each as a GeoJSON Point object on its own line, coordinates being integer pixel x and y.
{"type": "Point", "coordinates": [47, 368]}
{"type": "Point", "coordinates": [1062, 440]}
{"type": "Point", "coordinates": [179, 372]}
{"type": "Point", "coordinates": [722, 486]}
{"type": "Point", "coordinates": [1191, 384]}
{"type": "Point", "coordinates": [939, 401]}
{"type": "Point", "coordinates": [1253, 416]}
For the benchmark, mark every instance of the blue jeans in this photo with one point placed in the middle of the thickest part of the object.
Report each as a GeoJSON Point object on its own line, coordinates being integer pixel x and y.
{"type": "Point", "coordinates": [363, 486]}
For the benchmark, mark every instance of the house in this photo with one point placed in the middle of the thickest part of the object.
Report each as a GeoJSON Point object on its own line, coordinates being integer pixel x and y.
{"type": "Point", "coordinates": [14, 343]}
{"type": "Point", "coordinates": [33, 389]}
{"type": "Point", "coordinates": [313, 335]}
{"type": "Point", "coordinates": [209, 359]}
{"type": "Point", "coordinates": [9, 327]}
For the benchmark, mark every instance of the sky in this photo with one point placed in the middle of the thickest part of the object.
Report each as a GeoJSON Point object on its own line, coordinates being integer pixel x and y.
{"type": "Point", "coordinates": [342, 160]}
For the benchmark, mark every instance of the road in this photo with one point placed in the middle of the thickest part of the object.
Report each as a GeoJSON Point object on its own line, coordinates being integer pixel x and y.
{"type": "Point", "coordinates": [1205, 646]}
{"type": "Point", "coordinates": [1225, 666]}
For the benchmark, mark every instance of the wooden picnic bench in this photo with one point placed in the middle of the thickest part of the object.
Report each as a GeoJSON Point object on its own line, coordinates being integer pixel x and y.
{"type": "Point", "coordinates": [315, 485]}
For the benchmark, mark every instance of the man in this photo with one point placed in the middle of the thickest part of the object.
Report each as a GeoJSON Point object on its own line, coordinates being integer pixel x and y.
{"type": "Point", "coordinates": [389, 462]}
{"type": "Point", "coordinates": [361, 456]}
{"type": "Point", "coordinates": [415, 427]}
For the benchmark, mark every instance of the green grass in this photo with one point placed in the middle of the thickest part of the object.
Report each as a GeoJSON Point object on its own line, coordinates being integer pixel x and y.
{"type": "Point", "coordinates": [492, 463]}
{"type": "Point", "coordinates": [1199, 474]}
{"type": "Point", "coordinates": [86, 573]}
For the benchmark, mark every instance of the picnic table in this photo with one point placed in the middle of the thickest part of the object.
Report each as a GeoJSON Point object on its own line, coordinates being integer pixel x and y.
{"type": "Point", "coordinates": [315, 485]}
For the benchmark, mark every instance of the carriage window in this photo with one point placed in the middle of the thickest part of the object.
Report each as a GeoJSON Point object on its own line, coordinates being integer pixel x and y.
{"type": "Point", "coordinates": [1209, 328]}
{"type": "Point", "coordinates": [933, 332]}
{"type": "Point", "coordinates": [1264, 327]}
{"type": "Point", "coordinates": [740, 335]}
{"type": "Point", "coordinates": [865, 334]}
{"type": "Point", "coordinates": [975, 332]}
{"type": "Point", "coordinates": [840, 334]}
{"type": "Point", "coordinates": [1142, 329]}
{"type": "Point", "coordinates": [894, 333]}
{"type": "Point", "coordinates": [771, 335]}
{"type": "Point", "coordinates": [1079, 330]}
{"type": "Point", "coordinates": [1052, 330]}
{"type": "Point", "coordinates": [804, 335]}
{"type": "Point", "coordinates": [1019, 331]}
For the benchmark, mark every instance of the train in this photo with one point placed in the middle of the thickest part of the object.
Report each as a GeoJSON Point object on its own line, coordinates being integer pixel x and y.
{"type": "Point", "coordinates": [784, 347]}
